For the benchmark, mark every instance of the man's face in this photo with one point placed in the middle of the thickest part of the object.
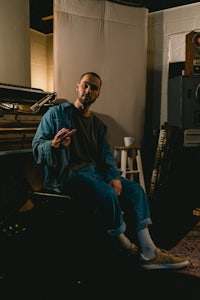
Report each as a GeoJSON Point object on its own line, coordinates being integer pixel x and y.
{"type": "Point", "coordinates": [88, 90]}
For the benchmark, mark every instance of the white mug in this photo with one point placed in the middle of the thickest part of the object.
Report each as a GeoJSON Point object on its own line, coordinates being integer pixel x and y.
{"type": "Point", "coordinates": [128, 141]}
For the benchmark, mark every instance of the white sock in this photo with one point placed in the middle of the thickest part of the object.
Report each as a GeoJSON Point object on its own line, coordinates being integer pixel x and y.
{"type": "Point", "coordinates": [124, 241]}
{"type": "Point", "coordinates": [146, 243]}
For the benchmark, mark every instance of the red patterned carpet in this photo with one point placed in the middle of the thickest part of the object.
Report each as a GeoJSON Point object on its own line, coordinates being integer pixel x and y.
{"type": "Point", "coordinates": [189, 246]}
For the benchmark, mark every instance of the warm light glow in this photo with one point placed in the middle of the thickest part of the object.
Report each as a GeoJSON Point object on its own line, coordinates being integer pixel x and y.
{"type": "Point", "coordinates": [47, 18]}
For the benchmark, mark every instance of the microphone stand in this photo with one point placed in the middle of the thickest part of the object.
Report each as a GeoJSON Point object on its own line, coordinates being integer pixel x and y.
{"type": "Point", "coordinates": [36, 107]}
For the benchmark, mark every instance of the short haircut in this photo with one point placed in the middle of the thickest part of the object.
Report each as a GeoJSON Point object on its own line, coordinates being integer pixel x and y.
{"type": "Point", "coordinates": [93, 74]}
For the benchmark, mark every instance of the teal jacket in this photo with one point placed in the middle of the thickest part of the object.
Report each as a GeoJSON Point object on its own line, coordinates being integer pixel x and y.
{"type": "Point", "coordinates": [55, 160]}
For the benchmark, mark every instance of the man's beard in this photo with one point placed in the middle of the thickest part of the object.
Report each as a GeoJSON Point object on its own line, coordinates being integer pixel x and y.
{"type": "Point", "coordinates": [85, 103]}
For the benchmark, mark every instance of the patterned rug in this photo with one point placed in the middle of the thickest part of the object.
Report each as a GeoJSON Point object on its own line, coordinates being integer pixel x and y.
{"type": "Point", "coordinates": [189, 246]}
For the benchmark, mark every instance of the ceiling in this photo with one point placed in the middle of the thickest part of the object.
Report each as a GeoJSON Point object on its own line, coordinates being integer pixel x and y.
{"type": "Point", "coordinates": [40, 9]}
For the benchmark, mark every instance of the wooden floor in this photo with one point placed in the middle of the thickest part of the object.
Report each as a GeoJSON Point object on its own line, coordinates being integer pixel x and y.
{"type": "Point", "coordinates": [55, 258]}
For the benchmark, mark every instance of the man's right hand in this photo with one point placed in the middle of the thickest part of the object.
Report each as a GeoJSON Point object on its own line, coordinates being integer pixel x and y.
{"type": "Point", "coordinates": [62, 138]}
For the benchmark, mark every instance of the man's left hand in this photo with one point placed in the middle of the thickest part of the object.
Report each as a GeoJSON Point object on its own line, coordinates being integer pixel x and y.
{"type": "Point", "coordinates": [117, 185]}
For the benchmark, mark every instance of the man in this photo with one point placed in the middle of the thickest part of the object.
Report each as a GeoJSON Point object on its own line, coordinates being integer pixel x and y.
{"type": "Point", "coordinates": [71, 144]}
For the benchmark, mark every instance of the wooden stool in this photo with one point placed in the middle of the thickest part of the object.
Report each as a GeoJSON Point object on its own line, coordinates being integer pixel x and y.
{"type": "Point", "coordinates": [131, 162]}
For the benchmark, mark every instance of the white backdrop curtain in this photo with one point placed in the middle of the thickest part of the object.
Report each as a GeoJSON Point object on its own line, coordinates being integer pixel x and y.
{"type": "Point", "coordinates": [110, 39]}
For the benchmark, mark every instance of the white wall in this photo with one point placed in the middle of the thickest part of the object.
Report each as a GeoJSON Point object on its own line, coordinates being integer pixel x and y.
{"type": "Point", "coordinates": [26, 55]}
{"type": "Point", "coordinates": [15, 42]}
{"type": "Point", "coordinates": [41, 60]}
{"type": "Point", "coordinates": [49, 47]}
{"type": "Point", "coordinates": [164, 28]}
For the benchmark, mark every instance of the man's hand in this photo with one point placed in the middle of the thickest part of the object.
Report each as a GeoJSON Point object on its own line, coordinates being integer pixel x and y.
{"type": "Point", "coordinates": [117, 186]}
{"type": "Point", "coordinates": [62, 138]}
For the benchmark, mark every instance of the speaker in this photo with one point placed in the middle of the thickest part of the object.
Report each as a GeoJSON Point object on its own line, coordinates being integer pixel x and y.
{"type": "Point", "coordinates": [192, 50]}
{"type": "Point", "coordinates": [184, 101]}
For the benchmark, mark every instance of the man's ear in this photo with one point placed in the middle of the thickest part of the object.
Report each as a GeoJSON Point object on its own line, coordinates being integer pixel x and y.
{"type": "Point", "coordinates": [77, 85]}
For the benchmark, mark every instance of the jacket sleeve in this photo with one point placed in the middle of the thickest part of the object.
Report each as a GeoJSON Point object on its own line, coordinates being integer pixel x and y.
{"type": "Point", "coordinates": [41, 144]}
{"type": "Point", "coordinates": [52, 121]}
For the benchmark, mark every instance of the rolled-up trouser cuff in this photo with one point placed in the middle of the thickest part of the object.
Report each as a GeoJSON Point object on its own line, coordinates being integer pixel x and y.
{"type": "Point", "coordinates": [144, 223]}
{"type": "Point", "coordinates": [114, 232]}
{"type": "Point", "coordinates": [117, 231]}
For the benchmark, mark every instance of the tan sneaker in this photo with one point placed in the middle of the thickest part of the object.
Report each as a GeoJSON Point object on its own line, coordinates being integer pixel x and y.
{"type": "Point", "coordinates": [163, 260]}
{"type": "Point", "coordinates": [133, 250]}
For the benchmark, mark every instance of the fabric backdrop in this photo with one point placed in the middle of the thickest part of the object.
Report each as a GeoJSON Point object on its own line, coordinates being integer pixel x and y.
{"type": "Point", "coordinates": [110, 39]}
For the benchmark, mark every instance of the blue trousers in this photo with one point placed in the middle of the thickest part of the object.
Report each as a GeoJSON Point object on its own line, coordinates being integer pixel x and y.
{"type": "Point", "coordinates": [89, 183]}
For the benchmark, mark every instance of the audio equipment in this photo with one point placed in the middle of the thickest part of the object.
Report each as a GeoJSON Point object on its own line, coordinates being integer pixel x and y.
{"type": "Point", "coordinates": [192, 61]}
{"type": "Point", "coordinates": [184, 101]}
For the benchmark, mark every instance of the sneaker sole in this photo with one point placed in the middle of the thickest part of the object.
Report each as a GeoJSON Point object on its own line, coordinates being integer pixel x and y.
{"type": "Point", "coordinates": [165, 266]}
